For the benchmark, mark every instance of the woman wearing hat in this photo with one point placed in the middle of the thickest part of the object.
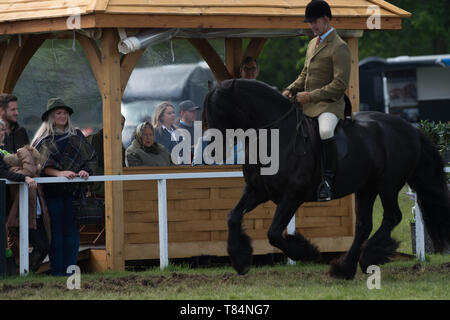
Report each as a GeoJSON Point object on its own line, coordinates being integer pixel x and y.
{"type": "Point", "coordinates": [65, 152]}
{"type": "Point", "coordinates": [144, 151]}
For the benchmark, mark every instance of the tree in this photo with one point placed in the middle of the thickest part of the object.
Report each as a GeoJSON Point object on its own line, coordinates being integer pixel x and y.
{"type": "Point", "coordinates": [281, 60]}
{"type": "Point", "coordinates": [426, 32]}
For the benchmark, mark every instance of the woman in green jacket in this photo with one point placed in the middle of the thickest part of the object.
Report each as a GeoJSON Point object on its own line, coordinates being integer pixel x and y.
{"type": "Point", "coordinates": [144, 151]}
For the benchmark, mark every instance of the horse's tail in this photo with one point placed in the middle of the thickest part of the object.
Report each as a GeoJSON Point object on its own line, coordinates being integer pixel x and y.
{"type": "Point", "coordinates": [429, 181]}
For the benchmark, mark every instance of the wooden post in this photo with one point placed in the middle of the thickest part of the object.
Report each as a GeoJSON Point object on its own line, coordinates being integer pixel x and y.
{"type": "Point", "coordinates": [112, 140]}
{"type": "Point", "coordinates": [353, 94]}
{"type": "Point", "coordinates": [233, 56]}
{"type": "Point", "coordinates": [353, 85]}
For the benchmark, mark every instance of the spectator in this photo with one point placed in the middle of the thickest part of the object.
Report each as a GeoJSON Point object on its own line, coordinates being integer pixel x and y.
{"type": "Point", "coordinates": [188, 114]}
{"type": "Point", "coordinates": [144, 151]}
{"type": "Point", "coordinates": [249, 68]}
{"type": "Point", "coordinates": [163, 122]}
{"type": "Point", "coordinates": [16, 136]}
{"type": "Point", "coordinates": [19, 177]}
{"type": "Point", "coordinates": [96, 140]}
{"type": "Point", "coordinates": [65, 152]}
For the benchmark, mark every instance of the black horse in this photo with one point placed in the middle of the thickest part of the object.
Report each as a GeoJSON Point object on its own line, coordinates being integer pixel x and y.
{"type": "Point", "coordinates": [384, 153]}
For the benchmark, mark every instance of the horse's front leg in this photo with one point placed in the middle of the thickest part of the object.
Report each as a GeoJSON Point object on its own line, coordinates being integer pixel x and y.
{"type": "Point", "coordinates": [296, 247]}
{"type": "Point", "coordinates": [239, 247]}
{"type": "Point", "coordinates": [345, 267]}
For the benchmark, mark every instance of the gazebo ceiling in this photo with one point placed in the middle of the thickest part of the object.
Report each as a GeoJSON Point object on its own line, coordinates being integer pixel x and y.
{"type": "Point", "coordinates": [25, 16]}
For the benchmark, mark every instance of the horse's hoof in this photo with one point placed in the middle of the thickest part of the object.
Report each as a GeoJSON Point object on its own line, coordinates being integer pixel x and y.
{"type": "Point", "coordinates": [242, 265]}
{"type": "Point", "coordinates": [341, 270]}
{"type": "Point", "coordinates": [241, 256]}
{"type": "Point", "coordinates": [377, 253]}
{"type": "Point", "coordinates": [242, 260]}
{"type": "Point", "coordinates": [244, 270]}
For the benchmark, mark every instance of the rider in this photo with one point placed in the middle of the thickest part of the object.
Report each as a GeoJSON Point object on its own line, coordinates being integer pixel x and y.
{"type": "Point", "coordinates": [321, 85]}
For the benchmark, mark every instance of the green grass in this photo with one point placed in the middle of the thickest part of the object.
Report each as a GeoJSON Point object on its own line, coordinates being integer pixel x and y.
{"type": "Point", "coordinates": [399, 280]}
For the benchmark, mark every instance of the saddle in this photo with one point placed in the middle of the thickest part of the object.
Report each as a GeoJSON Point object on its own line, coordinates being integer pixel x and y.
{"type": "Point", "coordinates": [307, 127]}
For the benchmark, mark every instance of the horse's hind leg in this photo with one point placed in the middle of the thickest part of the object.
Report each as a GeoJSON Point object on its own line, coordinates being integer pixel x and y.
{"type": "Point", "coordinates": [296, 247]}
{"type": "Point", "coordinates": [345, 267]}
{"type": "Point", "coordinates": [381, 246]}
{"type": "Point", "coordinates": [239, 247]}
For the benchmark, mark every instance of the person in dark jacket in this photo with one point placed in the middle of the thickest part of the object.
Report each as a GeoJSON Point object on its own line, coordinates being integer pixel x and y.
{"type": "Point", "coordinates": [96, 140]}
{"type": "Point", "coordinates": [164, 124]}
{"type": "Point", "coordinates": [13, 233]}
{"type": "Point", "coordinates": [16, 136]}
{"type": "Point", "coordinates": [65, 152]}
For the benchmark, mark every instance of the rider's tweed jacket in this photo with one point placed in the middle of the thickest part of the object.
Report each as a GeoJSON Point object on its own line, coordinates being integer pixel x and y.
{"type": "Point", "coordinates": [325, 75]}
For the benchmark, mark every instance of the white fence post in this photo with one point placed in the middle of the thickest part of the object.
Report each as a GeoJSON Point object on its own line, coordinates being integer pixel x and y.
{"type": "Point", "coordinates": [420, 228]}
{"type": "Point", "coordinates": [162, 220]}
{"type": "Point", "coordinates": [23, 229]}
{"type": "Point", "coordinates": [420, 233]}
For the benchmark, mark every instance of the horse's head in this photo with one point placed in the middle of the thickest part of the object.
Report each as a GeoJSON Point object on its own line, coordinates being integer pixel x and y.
{"type": "Point", "coordinates": [241, 103]}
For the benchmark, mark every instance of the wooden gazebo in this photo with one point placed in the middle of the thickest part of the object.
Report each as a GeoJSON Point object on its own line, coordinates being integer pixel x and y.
{"type": "Point", "coordinates": [197, 209]}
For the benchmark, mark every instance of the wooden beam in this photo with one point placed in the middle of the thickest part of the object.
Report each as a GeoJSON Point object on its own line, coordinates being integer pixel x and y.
{"type": "Point", "coordinates": [94, 56]}
{"type": "Point", "coordinates": [103, 20]}
{"type": "Point", "coordinates": [44, 25]}
{"type": "Point", "coordinates": [212, 58]}
{"type": "Point", "coordinates": [26, 52]}
{"type": "Point", "coordinates": [9, 59]}
{"type": "Point", "coordinates": [255, 47]}
{"type": "Point", "coordinates": [3, 46]}
{"type": "Point", "coordinates": [112, 140]}
{"type": "Point", "coordinates": [233, 56]}
{"type": "Point", "coordinates": [127, 64]}
{"type": "Point", "coordinates": [230, 21]}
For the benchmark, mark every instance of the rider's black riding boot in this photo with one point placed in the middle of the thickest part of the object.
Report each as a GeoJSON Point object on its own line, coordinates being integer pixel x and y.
{"type": "Point", "coordinates": [329, 158]}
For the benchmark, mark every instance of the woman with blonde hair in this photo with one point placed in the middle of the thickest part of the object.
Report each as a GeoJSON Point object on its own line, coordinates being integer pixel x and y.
{"type": "Point", "coordinates": [65, 152]}
{"type": "Point", "coordinates": [164, 124]}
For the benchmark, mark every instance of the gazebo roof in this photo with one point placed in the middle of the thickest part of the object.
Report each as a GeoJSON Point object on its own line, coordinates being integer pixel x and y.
{"type": "Point", "coordinates": [24, 16]}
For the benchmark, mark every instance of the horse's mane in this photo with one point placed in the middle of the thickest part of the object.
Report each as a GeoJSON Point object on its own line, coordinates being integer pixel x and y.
{"type": "Point", "coordinates": [258, 92]}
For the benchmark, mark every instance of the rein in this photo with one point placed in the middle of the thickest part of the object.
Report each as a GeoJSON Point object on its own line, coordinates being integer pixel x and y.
{"type": "Point", "coordinates": [292, 109]}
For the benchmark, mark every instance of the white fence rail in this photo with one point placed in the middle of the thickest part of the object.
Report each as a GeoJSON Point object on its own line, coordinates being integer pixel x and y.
{"type": "Point", "coordinates": [162, 209]}
{"type": "Point", "coordinates": [162, 205]}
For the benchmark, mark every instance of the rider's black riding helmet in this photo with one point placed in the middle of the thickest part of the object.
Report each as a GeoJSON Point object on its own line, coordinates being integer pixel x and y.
{"type": "Point", "coordinates": [317, 9]}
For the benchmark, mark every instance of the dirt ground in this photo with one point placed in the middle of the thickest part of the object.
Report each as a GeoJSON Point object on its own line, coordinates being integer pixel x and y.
{"type": "Point", "coordinates": [110, 284]}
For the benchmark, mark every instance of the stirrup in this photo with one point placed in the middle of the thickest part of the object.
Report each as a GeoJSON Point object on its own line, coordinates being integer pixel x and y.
{"type": "Point", "coordinates": [324, 192]}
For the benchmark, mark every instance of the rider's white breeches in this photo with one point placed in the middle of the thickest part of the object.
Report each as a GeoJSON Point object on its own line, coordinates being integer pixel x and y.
{"type": "Point", "coordinates": [327, 123]}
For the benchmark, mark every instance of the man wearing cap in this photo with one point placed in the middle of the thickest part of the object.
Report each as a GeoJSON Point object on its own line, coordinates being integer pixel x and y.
{"type": "Point", "coordinates": [188, 113]}
{"type": "Point", "coordinates": [321, 85]}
